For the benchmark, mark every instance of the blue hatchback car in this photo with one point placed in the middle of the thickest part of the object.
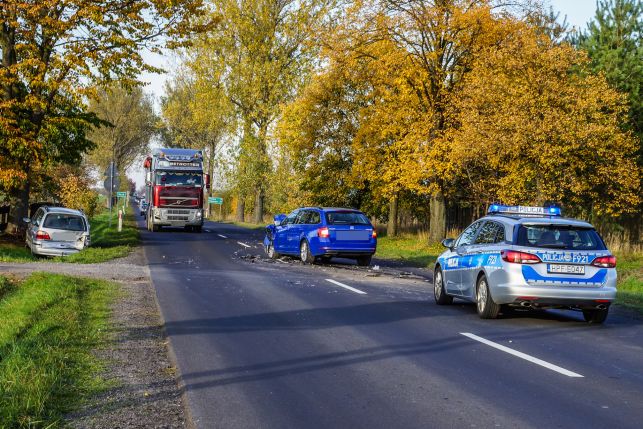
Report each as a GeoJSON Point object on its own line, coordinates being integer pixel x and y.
{"type": "Point", "coordinates": [321, 233]}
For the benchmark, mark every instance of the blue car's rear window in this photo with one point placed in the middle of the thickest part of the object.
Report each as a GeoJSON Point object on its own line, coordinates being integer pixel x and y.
{"type": "Point", "coordinates": [346, 218]}
{"type": "Point", "coordinates": [559, 237]}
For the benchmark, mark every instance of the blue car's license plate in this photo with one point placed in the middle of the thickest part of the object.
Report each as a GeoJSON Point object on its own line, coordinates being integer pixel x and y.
{"type": "Point", "coordinates": [353, 235]}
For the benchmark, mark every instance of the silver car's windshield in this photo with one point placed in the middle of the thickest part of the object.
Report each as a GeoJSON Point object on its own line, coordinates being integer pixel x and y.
{"type": "Point", "coordinates": [65, 222]}
{"type": "Point", "coordinates": [565, 237]}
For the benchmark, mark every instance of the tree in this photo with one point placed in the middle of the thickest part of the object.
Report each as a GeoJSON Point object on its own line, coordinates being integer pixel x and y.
{"type": "Point", "coordinates": [613, 41]}
{"type": "Point", "coordinates": [131, 125]}
{"type": "Point", "coordinates": [536, 125]}
{"type": "Point", "coordinates": [53, 52]}
{"type": "Point", "coordinates": [196, 112]}
{"type": "Point", "coordinates": [262, 52]}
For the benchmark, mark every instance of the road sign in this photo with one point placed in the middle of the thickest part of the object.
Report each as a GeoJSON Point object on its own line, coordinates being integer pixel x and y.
{"type": "Point", "coordinates": [215, 200]}
{"type": "Point", "coordinates": [121, 194]}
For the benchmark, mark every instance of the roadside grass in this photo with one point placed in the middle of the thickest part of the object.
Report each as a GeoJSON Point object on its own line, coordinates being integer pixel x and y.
{"type": "Point", "coordinates": [107, 242]}
{"type": "Point", "coordinates": [49, 325]}
{"type": "Point", "coordinates": [410, 249]}
{"type": "Point", "coordinates": [630, 280]}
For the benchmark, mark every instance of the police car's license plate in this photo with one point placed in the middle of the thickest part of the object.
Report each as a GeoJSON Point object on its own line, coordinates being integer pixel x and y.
{"type": "Point", "coordinates": [565, 269]}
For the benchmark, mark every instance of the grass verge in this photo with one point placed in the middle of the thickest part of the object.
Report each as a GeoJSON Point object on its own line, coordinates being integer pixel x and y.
{"type": "Point", "coordinates": [630, 280]}
{"type": "Point", "coordinates": [411, 250]}
{"type": "Point", "coordinates": [107, 242]}
{"type": "Point", "coordinates": [48, 326]}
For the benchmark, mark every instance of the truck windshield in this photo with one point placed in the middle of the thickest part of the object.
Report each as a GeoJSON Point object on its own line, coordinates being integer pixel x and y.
{"type": "Point", "coordinates": [566, 237]}
{"type": "Point", "coordinates": [178, 179]}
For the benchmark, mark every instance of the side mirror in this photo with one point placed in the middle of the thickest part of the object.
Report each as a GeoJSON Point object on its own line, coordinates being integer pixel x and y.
{"type": "Point", "coordinates": [279, 219]}
{"type": "Point", "coordinates": [448, 243]}
{"type": "Point", "coordinates": [206, 180]}
{"type": "Point", "coordinates": [26, 220]}
{"type": "Point", "coordinates": [148, 178]}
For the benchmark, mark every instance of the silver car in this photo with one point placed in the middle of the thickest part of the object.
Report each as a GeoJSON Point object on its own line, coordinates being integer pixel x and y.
{"type": "Point", "coordinates": [57, 231]}
{"type": "Point", "coordinates": [528, 257]}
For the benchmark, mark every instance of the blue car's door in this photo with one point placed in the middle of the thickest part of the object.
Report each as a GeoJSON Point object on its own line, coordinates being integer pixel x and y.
{"type": "Point", "coordinates": [294, 233]}
{"type": "Point", "coordinates": [281, 233]}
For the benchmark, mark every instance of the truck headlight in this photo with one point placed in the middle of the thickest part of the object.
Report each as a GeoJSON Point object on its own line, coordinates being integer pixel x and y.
{"type": "Point", "coordinates": [198, 213]}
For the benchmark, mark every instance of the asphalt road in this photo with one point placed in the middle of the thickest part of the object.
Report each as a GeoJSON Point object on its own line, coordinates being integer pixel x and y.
{"type": "Point", "coordinates": [262, 344]}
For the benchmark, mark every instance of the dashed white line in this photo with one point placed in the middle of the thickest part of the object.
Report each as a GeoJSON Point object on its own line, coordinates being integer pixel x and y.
{"type": "Point", "coordinates": [243, 244]}
{"type": "Point", "coordinates": [361, 292]}
{"type": "Point", "coordinates": [521, 355]}
{"type": "Point", "coordinates": [222, 236]}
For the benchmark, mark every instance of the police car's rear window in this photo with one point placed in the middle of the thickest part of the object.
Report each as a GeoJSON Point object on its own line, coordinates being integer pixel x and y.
{"type": "Point", "coordinates": [559, 237]}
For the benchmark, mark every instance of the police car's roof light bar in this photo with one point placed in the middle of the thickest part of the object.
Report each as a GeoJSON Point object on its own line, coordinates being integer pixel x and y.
{"type": "Point", "coordinates": [524, 210]}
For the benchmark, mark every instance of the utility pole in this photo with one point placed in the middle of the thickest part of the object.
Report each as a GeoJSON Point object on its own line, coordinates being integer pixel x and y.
{"type": "Point", "coordinates": [111, 190]}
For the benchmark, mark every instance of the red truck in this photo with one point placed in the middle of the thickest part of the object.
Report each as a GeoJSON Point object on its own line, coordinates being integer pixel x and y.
{"type": "Point", "coordinates": [175, 188]}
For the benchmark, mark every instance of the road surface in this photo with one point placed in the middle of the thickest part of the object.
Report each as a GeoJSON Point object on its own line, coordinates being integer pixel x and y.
{"type": "Point", "coordinates": [263, 344]}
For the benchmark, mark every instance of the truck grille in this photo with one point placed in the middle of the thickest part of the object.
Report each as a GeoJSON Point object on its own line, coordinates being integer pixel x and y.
{"type": "Point", "coordinates": [178, 212]}
{"type": "Point", "coordinates": [177, 218]}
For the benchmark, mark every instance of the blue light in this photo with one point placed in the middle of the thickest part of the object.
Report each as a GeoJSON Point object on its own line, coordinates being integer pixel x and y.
{"type": "Point", "coordinates": [525, 210]}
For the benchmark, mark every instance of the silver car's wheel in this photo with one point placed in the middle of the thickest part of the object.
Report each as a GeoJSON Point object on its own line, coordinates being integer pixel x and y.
{"type": "Point", "coordinates": [487, 308]}
{"type": "Point", "coordinates": [440, 295]}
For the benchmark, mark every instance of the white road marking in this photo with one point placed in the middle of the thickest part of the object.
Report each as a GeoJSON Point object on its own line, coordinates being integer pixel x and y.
{"type": "Point", "coordinates": [521, 355]}
{"type": "Point", "coordinates": [222, 236]}
{"type": "Point", "coordinates": [243, 244]}
{"type": "Point", "coordinates": [361, 292]}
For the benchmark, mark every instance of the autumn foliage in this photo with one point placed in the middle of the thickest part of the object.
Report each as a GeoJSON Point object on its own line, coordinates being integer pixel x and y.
{"type": "Point", "coordinates": [463, 101]}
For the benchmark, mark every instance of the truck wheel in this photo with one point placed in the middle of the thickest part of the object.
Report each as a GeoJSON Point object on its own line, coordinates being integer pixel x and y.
{"type": "Point", "coordinates": [304, 253]}
{"type": "Point", "coordinates": [156, 228]}
{"type": "Point", "coordinates": [487, 309]}
{"type": "Point", "coordinates": [439, 293]}
{"type": "Point", "coordinates": [198, 228]}
{"type": "Point", "coordinates": [595, 316]}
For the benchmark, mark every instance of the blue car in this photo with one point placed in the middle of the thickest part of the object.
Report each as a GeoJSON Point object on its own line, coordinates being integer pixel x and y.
{"type": "Point", "coordinates": [320, 233]}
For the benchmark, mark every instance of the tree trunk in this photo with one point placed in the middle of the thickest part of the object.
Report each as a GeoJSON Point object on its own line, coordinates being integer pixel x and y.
{"type": "Point", "coordinates": [20, 208]}
{"type": "Point", "coordinates": [241, 208]}
{"type": "Point", "coordinates": [438, 218]}
{"type": "Point", "coordinates": [391, 227]}
{"type": "Point", "coordinates": [259, 200]}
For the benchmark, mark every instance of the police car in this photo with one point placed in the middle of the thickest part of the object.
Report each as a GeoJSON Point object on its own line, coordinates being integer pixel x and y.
{"type": "Point", "coordinates": [527, 257]}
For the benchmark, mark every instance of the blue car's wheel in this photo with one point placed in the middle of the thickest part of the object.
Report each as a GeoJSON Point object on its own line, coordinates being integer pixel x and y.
{"type": "Point", "coordinates": [304, 253]}
{"type": "Point", "coordinates": [270, 251]}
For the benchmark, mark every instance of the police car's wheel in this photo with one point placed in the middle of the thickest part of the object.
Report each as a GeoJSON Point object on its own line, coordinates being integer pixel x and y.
{"type": "Point", "coordinates": [304, 253]}
{"type": "Point", "coordinates": [487, 309]}
{"type": "Point", "coordinates": [270, 251]}
{"type": "Point", "coordinates": [595, 316]}
{"type": "Point", "coordinates": [439, 293]}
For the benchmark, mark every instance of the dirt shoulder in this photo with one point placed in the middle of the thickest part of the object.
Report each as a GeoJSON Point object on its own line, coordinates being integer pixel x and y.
{"type": "Point", "coordinates": [145, 391]}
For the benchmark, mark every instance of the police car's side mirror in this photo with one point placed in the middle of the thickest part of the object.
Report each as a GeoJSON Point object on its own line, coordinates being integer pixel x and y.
{"type": "Point", "coordinates": [448, 243]}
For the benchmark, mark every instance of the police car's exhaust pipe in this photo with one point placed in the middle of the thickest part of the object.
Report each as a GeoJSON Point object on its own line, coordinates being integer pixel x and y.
{"type": "Point", "coordinates": [525, 304]}
{"type": "Point", "coordinates": [601, 306]}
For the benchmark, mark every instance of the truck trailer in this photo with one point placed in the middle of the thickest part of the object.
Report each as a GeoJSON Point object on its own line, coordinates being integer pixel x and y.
{"type": "Point", "coordinates": [175, 187]}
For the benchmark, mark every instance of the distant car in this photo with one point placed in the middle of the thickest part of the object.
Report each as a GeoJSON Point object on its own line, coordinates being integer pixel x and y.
{"type": "Point", "coordinates": [528, 257]}
{"type": "Point", "coordinates": [322, 233]}
{"type": "Point", "coordinates": [57, 231]}
{"type": "Point", "coordinates": [144, 204]}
